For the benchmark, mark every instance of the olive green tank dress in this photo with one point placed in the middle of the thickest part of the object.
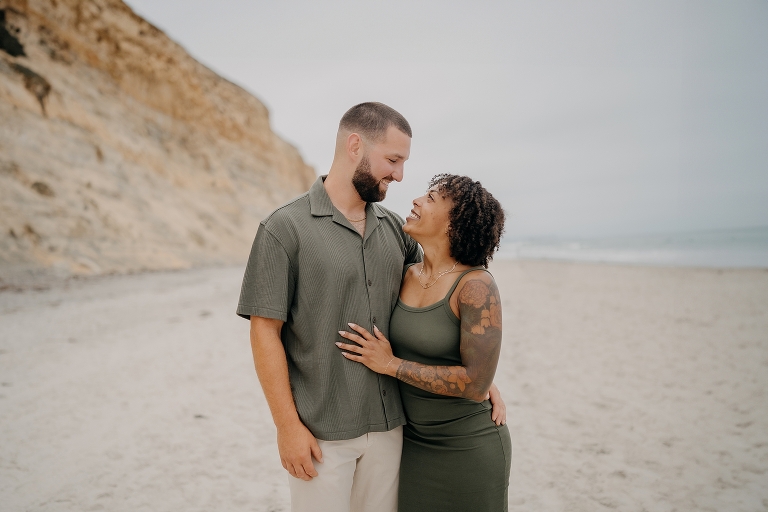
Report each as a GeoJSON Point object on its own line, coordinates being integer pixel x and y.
{"type": "Point", "coordinates": [455, 458]}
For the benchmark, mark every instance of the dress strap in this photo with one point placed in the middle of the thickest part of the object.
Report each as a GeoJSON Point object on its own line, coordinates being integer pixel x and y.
{"type": "Point", "coordinates": [456, 283]}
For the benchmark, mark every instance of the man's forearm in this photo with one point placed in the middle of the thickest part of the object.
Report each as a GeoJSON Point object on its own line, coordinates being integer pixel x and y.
{"type": "Point", "coordinates": [272, 370]}
{"type": "Point", "coordinates": [295, 442]}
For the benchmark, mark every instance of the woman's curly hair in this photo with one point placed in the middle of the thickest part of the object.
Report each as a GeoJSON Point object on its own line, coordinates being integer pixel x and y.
{"type": "Point", "coordinates": [476, 219]}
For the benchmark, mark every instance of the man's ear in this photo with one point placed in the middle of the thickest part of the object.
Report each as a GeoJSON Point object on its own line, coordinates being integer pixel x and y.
{"type": "Point", "coordinates": [354, 146]}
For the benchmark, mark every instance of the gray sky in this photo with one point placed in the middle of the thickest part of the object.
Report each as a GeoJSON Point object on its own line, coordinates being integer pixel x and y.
{"type": "Point", "coordinates": [582, 118]}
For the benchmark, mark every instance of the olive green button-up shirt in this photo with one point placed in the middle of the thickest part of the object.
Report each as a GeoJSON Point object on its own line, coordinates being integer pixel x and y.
{"type": "Point", "coordinates": [310, 268]}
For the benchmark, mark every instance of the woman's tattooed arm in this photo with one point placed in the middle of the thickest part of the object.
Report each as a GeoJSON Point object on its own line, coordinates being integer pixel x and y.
{"type": "Point", "coordinates": [480, 312]}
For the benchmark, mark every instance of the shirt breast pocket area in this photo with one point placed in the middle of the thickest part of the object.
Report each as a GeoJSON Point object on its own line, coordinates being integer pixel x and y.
{"type": "Point", "coordinates": [392, 266]}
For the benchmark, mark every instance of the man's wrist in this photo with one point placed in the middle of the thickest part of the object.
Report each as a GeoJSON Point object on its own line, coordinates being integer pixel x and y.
{"type": "Point", "coordinates": [287, 421]}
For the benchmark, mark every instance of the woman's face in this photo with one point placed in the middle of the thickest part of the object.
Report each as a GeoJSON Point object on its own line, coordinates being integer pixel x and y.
{"type": "Point", "coordinates": [429, 217]}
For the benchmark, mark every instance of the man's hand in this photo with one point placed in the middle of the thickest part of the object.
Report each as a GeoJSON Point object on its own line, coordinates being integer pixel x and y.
{"type": "Point", "coordinates": [297, 446]}
{"type": "Point", "coordinates": [499, 412]}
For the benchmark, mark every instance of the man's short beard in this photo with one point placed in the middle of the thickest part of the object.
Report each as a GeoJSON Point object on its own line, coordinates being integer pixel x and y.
{"type": "Point", "coordinates": [366, 185]}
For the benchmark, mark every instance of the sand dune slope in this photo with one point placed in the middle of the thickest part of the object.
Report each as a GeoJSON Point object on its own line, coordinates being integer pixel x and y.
{"type": "Point", "coordinates": [119, 152]}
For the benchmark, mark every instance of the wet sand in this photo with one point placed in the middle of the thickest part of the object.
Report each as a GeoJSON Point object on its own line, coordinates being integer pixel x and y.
{"type": "Point", "coordinates": [628, 388]}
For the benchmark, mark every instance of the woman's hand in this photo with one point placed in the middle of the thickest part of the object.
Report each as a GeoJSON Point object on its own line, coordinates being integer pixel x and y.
{"type": "Point", "coordinates": [374, 352]}
{"type": "Point", "coordinates": [499, 412]}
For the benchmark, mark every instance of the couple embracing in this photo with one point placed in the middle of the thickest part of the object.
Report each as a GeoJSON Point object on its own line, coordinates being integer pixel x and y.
{"type": "Point", "coordinates": [376, 339]}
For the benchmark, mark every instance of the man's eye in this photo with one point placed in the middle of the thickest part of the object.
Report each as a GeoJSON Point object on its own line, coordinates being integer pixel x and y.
{"type": "Point", "coordinates": [393, 161]}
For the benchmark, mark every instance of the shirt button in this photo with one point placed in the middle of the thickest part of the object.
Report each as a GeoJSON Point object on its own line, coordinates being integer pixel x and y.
{"type": "Point", "coordinates": [370, 282]}
{"type": "Point", "coordinates": [374, 319]}
{"type": "Point", "coordinates": [384, 392]}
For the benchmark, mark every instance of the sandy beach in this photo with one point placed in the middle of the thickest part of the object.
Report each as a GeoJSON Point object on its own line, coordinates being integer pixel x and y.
{"type": "Point", "coordinates": [628, 388]}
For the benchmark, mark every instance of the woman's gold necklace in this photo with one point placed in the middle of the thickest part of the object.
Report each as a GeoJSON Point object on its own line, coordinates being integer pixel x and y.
{"type": "Point", "coordinates": [441, 274]}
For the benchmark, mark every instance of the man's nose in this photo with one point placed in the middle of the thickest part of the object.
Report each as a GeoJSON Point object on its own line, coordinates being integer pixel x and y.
{"type": "Point", "coordinates": [398, 174]}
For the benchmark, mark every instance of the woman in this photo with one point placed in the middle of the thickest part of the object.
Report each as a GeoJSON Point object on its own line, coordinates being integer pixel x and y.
{"type": "Point", "coordinates": [445, 340]}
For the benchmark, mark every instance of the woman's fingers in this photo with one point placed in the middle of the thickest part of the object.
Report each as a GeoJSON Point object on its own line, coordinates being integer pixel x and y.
{"type": "Point", "coordinates": [348, 347]}
{"type": "Point", "coordinates": [353, 337]}
{"type": "Point", "coordinates": [371, 351]}
{"type": "Point", "coordinates": [361, 330]}
{"type": "Point", "coordinates": [365, 334]}
{"type": "Point", "coordinates": [353, 357]}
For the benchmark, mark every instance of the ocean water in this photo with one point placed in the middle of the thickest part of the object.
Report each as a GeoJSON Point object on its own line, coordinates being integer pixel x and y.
{"type": "Point", "coordinates": [735, 248]}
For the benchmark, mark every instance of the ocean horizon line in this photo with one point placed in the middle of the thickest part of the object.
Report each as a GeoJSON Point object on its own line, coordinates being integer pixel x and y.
{"type": "Point", "coordinates": [716, 248]}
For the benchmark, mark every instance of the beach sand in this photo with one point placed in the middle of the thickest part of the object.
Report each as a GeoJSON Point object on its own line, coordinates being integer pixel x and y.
{"type": "Point", "coordinates": [628, 388]}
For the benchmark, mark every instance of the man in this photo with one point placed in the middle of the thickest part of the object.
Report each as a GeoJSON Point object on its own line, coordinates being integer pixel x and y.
{"type": "Point", "coordinates": [329, 257]}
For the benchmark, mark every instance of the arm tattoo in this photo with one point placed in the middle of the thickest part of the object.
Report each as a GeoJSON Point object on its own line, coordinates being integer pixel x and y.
{"type": "Point", "coordinates": [480, 308]}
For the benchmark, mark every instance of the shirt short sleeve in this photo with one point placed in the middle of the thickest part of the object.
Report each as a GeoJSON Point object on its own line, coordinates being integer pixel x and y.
{"type": "Point", "coordinates": [269, 280]}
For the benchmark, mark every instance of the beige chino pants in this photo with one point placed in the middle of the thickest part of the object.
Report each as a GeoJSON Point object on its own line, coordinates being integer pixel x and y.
{"type": "Point", "coordinates": [357, 475]}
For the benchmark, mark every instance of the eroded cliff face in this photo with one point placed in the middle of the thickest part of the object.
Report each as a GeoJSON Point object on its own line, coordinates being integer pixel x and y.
{"type": "Point", "coordinates": [119, 152]}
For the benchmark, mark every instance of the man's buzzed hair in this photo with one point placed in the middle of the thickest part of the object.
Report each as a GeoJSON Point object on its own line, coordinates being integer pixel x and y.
{"type": "Point", "coordinates": [371, 120]}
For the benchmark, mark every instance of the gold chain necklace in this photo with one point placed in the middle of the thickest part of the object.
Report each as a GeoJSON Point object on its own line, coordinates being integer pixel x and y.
{"type": "Point", "coordinates": [441, 274]}
{"type": "Point", "coordinates": [358, 220]}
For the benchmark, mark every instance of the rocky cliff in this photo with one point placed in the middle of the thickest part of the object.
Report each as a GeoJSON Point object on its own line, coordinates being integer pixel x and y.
{"type": "Point", "coordinates": [119, 152]}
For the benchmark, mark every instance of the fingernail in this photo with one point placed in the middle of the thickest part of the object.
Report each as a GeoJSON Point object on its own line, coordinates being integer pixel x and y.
{"type": "Point", "coordinates": [341, 332]}
{"type": "Point", "coordinates": [351, 324]}
{"type": "Point", "coordinates": [344, 354]}
{"type": "Point", "coordinates": [338, 343]}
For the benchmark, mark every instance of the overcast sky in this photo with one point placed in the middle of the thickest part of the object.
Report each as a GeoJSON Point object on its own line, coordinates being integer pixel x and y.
{"type": "Point", "coordinates": [582, 118]}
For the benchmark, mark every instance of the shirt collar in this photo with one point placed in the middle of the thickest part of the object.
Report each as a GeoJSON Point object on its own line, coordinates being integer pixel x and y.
{"type": "Point", "coordinates": [377, 210]}
{"type": "Point", "coordinates": [320, 204]}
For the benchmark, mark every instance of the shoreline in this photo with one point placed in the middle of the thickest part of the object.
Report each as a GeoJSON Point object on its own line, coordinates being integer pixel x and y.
{"type": "Point", "coordinates": [43, 279]}
{"type": "Point", "coordinates": [726, 248]}
{"type": "Point", "coordinates": [512, 259]}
